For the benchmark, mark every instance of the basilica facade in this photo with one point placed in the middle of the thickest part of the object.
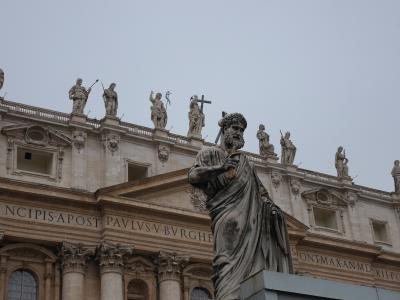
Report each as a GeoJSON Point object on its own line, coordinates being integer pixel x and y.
{"type": "Point", "coordinates": [102, 209]}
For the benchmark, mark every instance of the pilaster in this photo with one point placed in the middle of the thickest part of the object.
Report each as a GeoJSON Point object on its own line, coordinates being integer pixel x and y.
{"type": "Point", "coordinates": [170, 266]}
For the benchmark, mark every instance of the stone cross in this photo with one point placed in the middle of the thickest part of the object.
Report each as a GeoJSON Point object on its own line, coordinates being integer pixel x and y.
{"type": "Point", "coordinates": [202, 101]}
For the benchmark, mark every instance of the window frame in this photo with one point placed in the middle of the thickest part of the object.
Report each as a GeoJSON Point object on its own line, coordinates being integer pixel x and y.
{"type": "Point", "coordinates": [137, 163]}
{"type": "Point", "coordinates": [53, 151]}
{"type": "Point", "coordinates": [27, 270]}
{"type": "Point", "coordinates": [387, 229]}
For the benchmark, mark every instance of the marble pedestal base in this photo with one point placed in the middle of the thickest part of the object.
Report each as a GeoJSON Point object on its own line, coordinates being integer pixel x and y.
{"type": "Point", "coordinates": [278, 286]}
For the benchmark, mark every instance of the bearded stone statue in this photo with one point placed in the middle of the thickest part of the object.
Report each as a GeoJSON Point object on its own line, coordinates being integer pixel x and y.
{"type": "Point", "coordinates": [249, 230]}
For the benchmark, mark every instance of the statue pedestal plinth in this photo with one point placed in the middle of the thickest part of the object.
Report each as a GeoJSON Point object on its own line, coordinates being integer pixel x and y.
{"type": "Point", "coordinates": [278, 286]}
{"type": "Point", "coordinates": [110, 120]}
{"type": "Point", "coordinates": [346, 180]}
{"type": "Point", "coordinates": [78, 118]}
{"type": "Point", "coordinates": [196, 140]}
{"type": "Point", "coordinates": [160, 133]}
{"type": "Point", "coordinates": [272, 159]}
{"type": "Point", "coordinates": [291, 168]}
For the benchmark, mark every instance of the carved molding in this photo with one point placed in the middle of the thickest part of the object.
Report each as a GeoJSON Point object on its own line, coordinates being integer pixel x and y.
{"type": "Point", "coordinates": [139, 266]}
{"type": "Point", "coordinates": [328, 198]}
{"type": "Point", "coordinates": [111, 142]}
{"type": "Point", "coordinates": [37, 135]}
{"type": "Point", "coordinates": [74, 257]}
{"type": "Point", "coordinates": [111, 257]}
{"type": "Point", "coordinates": [79, 138]}
{"type": "Point", "coordinates": [170, 265]}
{"type": "Point", "coordinates": [276, 179]}
{"type": "Point", "coordinates": [163, 153]}
{"type": "Point", "coordinates": [295, 186]}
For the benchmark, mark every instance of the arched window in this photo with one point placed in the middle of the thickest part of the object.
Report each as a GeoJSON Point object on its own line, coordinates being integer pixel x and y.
{"type": "Point", "coordinates": [137, 290]}
{"type": "Point", "coordinates": [200, 294]}
{"type": "Point", "coordinates": [22, 286]}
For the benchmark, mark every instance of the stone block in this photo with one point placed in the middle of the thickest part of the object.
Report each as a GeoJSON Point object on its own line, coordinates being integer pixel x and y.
{"type": "Point", "coordinates": [278, 286]}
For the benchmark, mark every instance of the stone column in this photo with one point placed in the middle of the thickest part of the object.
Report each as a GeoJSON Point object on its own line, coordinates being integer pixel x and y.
{"type": "Point", "coordinates": [47, 280]}
{"type": "Point", "coordinates": [3, 270]}
{"type": "Point", "coordinates": [170, 267]}
{"type": "Point", "coordinates": [112, 158]}
{"type": "Point", "coordinates": [111, 262]}
{"type": "Point", "coordinates": [73, 264]}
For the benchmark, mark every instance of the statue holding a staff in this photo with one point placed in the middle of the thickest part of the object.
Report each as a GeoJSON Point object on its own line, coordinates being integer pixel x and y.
{"type": "Point", "coordinates": [79, 95]}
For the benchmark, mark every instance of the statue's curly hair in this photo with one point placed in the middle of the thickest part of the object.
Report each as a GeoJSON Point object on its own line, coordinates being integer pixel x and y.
{"type": "Point", "coordinates": [230, 119]}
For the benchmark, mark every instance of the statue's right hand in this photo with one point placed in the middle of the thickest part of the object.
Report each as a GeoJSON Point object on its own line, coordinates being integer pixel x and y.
{"type": "Point", "coordinates": [229, 163]}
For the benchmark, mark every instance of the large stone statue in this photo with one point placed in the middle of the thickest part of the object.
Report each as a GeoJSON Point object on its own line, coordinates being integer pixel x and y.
{"type": "Point", "coordinates": [266, 149]}
{"type": "Point", "coordinates": [249, 230]}
{"type": "Point", "coordinates": [196, 118]}
{"type": "Point", "coordinates": [110, 97]}
{"type": "Point", "coordinates": [288, 150]}
{"type": "Point", "coordinates": [1, 78]}
{"type": "Point", "coordinates": [341, 163]}
{"type": "Point", "coordinates": [396, 176]}
{"type": "Point", "coordinates": [158, 111]}
{"type": "Point", "coordinates": [79, 95]}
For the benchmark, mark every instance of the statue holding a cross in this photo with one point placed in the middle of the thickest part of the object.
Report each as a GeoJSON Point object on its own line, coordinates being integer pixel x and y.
{"type": "Point", "coordinates": [196, 116]}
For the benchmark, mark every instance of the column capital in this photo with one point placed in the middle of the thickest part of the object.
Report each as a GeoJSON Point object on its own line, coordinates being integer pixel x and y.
{"type": "Point", "coordinates": [74, 257]}
{"type": "Point", "coordinates": [111, 256]}
{"type": "Point", "coordinates": [170, 265]}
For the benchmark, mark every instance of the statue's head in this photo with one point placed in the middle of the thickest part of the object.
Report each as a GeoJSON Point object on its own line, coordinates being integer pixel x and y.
{"type": "Point", "coordinates": [79, 81]}
{"type": "Point", "coordinates": [340, 149]}
{"type": "Point", "coordinates": [233, 126]}
{"type": "Point", "coordinates": [112, 86]}
{"type": "Point", "coordinates": [261, 127]}
{"type": "Point", "coordinates": [158, 96]}
{"type": "Point", "coordinates": [287, 134]}
{"type": "Point", "coordinates": [396, 163]}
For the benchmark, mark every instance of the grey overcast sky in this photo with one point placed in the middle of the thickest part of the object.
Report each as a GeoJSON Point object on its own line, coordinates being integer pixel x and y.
{"type": "Point", "coordinates": [327, 70]}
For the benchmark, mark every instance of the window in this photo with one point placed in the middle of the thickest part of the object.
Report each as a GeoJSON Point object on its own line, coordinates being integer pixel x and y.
{"type": "Point", "coordinates": [136, 172]}
{"type": "Point", "coordinates": [22, 286]}
{"type": "Point", "coordinates": [34, 161]}
{"type": "Point", "coordinates": [137, 290]}
{"type": "Point", "coordinates": [325, 218]}
{"type": "Point", "coordinates": [199, 293]}
{"type": "Point", "coordinates": [380, 231]}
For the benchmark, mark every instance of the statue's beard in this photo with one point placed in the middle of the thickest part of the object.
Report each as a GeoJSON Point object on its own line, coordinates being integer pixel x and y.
{"type": "Point", "coordinates": [232, 141]}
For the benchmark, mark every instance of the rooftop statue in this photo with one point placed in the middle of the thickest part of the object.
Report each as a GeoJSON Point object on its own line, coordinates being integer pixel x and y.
{"type": "Point", "coordinates": [158, 111]}
{"type": "Point", "coordinates": [1, 78]}
{"type": "Point", "coordinates": [267, 150]}
{"type": "Point", "coordinates": [110, 97]}
{"type": "Point", "coordinates": [249, 230]}
{"type": "Point", "coordinates": [341, 162]}
{"type": "Point", "coordinates": [196, 118]}
{"type": "Point", "coordinates": [79, 95]}
{"type": "Point", "coordinates": [288, 150]}
{"type": "Point", "coordinates": [396, 176]}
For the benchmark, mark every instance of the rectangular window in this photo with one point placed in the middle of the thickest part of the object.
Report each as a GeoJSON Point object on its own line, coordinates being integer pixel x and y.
{"type": "Point", "coordinates": [325, 218]}
{"type": "Point", "coordinates": [136, 172]}
{"type": "Point", "coordinates": [380, 231]}
{"type": "Point", "coordinates": [34, 161]}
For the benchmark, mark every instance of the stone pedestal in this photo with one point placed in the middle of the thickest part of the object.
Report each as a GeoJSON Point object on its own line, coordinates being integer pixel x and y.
{"type": "Point", "coordinates": [111, 264]}
{"type": "Point", "coordinates": [169, 275]}
{"type": "Point", "coordinates": [278, 286]}
{"type": "Point", "coordinates": [73, 264]}
{"type": "Point", "coordinates": [196, 141]}
{"type": "Point", "coordinates": [77, 119]}
{"type": "Point", "coordinates": [110, 120]}
{"type": "Point", "coordinates": [160, 133]}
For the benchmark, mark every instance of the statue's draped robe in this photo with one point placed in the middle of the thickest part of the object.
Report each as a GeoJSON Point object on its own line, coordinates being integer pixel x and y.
{"type": "Point", "coordinates": [248, 236]}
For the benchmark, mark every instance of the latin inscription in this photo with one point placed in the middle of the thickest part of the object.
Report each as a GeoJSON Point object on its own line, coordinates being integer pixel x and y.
{"type": "Point", "coordinates": [48, 216]}
{"type": "Point", "coordinates": [158, 229]}
{"type": "Point", "coordinates": [347, 265]}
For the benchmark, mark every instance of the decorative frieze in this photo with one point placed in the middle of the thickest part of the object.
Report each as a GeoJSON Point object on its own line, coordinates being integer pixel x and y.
{"type": "Point", "coordinates": [111, 142]}
{"type": "Point", "coordinates": [170, 265]}
{"type": "Point", "coordinates": [163, 153]}
{"type": "Point", "coordinates": [74, 257]}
